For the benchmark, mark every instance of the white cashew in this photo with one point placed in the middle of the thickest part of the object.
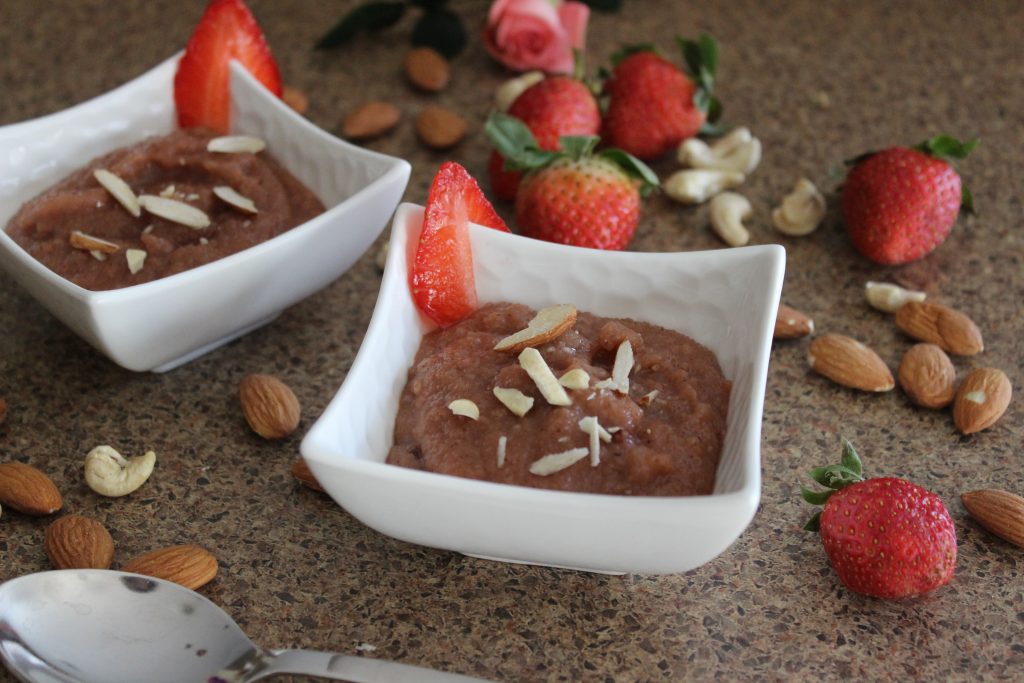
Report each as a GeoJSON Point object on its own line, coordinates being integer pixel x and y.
{"type": "Point", "coordinates": [699, 185]}
{"type": "Point", "coordinates": [508, 91]}
{"type": "Point", "coordinates": [109, 474]}
{"type": "Point", "coordinates": [888, 297]}
{"type": "Point", "coordinates": [802, 210]}
{"type": "Point", "coordinates": [737, 151]}
{"type": "Point", "coordinates": [728, 211]}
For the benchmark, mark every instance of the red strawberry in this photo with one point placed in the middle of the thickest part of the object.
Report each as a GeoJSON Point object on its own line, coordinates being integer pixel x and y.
{"type": "Point", "coordinates": [653, 106]}
{"type": "Point", "coordinates": [884, 537]}
{"type": "Point", "coordinates": [900, 204]}
{"type": "Point", "coordinates": [226, 31]}
{"type": "Point", "coordinates": [556, 106]}
{"type": "Point", "coordinates": [442, 274]}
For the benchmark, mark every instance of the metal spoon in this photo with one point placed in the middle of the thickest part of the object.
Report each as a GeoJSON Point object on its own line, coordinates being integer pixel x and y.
{"type": "Point", "coordinates": [99, 626]}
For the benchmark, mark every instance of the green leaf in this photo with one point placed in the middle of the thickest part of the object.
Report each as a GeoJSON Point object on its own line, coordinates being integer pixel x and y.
{"type": "Point", "coordinates": [815, 497]}
{"type": "Point", "coordinates": [442, 30]}
{"type": "Point", "coordinates": [947, 147]}
{"type": "Point", "coordinates": [850, 460]}
{"type": "Point", "coordinates": [578, 146]}
{"type": "Point", "coordinates": [628, 50]}
{"type": "Point", "coordinates": [966, 201]}
{"type": "Point", "coordinates": [529, 159]}
{"type": "Point", "coordinates": [709, 54]}
{"type": "Point", "coordinates": [634, 168]}
{"type": "Point", "coordinates": [820, 475]}
{"type": "Point", "coordinates": [701, 58]}
{"type": "Point", "coordinates": [604, 5]}
{"type": "Point", "coordinates": [509, 135]}
{"type": "Point", "coordinates": [814, 523]}
{"type": "Point", "coordinates": [714, 130]}
{"type": "Point", "coordinates": [372, 16]}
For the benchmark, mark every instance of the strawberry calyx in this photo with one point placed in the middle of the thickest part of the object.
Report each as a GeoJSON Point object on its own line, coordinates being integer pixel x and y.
{"type": "Point", "coordinates": [949, 148]}
{"type": "Point", "coordinates": [701, 59]}
{"type": "Point", "coordinates": [833, 477]}
{"type": "Point", "coordinates": [515, 142]}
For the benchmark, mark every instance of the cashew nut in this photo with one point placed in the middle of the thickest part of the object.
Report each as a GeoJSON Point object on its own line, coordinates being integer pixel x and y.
{"type": "Point", "coordinates": [699, 185]}
{"type": "Point", "coordinates": [802, 210]}
{"type": "Point", "coordinates": [888, 297]}
{"type": "Point", "coordinates": [728, 211]}
{"type": "Point", "coordinates": [109, 474]}
{"type": "Point", "coordinates": [508, 91]}
{"type": "Point", "coordinates": [737, 151]}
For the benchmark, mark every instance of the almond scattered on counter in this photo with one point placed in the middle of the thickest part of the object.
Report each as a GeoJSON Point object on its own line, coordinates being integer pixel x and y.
{"type": "Point", "coordinates": [27, 489]}
{"type": "Point", "coordinates": [981, 400]}
{"type": "Point", "coordinates": [269, 405]}
{"type": "Point", "coordinates": [77, 542]}
{"type": "Point", "coordinates": [846, 361]}
{"type": "Point", "coordinates": [370, 120]}
{"type": "Point", "coordinates": [427, 69]}
{"type": "Point", "coordinates": [950, 329]}
{"type": "Point", "coordinates": [1001, 512]}
{"type": "Point", "coordinates": [188, 565]}
{"type": "Point", "coordinates": [440, 128]}
{"type": "Point", "coordinates": [927, 376]}
{"type": "Point", "coordinates": [296, 99]}
{"type": "Point", "coordinates": [791, 323]}
{"type": "Point", "coordinates": [301, 472]}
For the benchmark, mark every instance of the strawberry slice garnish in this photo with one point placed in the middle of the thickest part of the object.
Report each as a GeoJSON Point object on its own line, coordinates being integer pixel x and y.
{"type": "Point", "coordinates": [226, 31]}
{"type": "Point", "coordinates": [442, 275]}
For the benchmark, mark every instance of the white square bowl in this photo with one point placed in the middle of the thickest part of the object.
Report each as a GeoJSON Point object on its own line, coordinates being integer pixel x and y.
{"type": "Point", "coordinates": [725, 299]}
{"type": "Point", "coordinates": [161, 324]}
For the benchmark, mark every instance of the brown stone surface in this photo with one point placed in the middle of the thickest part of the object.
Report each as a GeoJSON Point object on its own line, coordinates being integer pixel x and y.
{"type": "Point", "coordinates": [297, 570]}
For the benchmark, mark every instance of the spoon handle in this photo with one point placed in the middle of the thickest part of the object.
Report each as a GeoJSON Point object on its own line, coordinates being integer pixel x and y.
{"type": "Point", "coordinates": [341, 667]}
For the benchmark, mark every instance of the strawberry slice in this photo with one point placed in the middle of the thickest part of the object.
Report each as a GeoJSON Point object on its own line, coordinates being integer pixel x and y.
{"type": "Point", "coordinates": [442, 275]}
{"type": "Point", "coordinates": [226, 31]}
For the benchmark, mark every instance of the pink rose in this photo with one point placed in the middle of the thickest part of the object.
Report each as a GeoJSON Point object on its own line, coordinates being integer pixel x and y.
{"type": "Point", "coordinates": [536, 34]}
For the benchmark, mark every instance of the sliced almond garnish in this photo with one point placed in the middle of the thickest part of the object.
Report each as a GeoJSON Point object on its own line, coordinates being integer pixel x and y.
{"type": "Point", "coordinates": [119, 190]}
{"type": "Point", "coordinates": [233, 144]}
{"type": "Point", "coordinates": [502, 445]}
{"type": "Point", "coordinates": [465, 408]}
{"type": "Point", "coordinates": [175, 211]}
{"type": "Point", "coordinates": [79, 240]}
{"type": "Point", "coordinates": [553, 392]}
{"type": "Point", "coordinates": [648, 398]}
{"type": "Point", "coordinates": [591, 427]}
{"type": "Point", "coordinates": [148, 229]}
{"type": "Point", "coordinates": [168, 192]}
{"type": "Point", "coordinates": [98, 255]}
{"type": "Point", "coordinates": [513, 399]}
{"type": "Point", "coordinates": [556, 462]}
{"type": "Point", "coordinates": [136, 259]}
{"type": "Point", "coordinates": [548, 324]}
{"type": "Point", "coordinates": [577, 378]}
{"type": "Point", "coordinates": [229, 195]}
{"type": "Point", "coordinates": [619, 381]}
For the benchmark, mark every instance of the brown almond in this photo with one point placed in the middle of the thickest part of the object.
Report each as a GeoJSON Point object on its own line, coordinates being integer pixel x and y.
{"type": "Point", "coordinates": [370, 120]}
{"type": "Point", "coordinates": [301, 471]}
{"type": "Point", "coordinates": [427, 69]}
{"type": "Point", "coordinates": [950, 329]}
{"type": "Point", "coordinates": [296, 99]}
{"type": "Point", "coordinates": [927, 376]}
{"type": "Point", "coordinates": [981, 400]}
{"type": "Point", "coordinates": [188, 565]}
{"type": "Point", "coordinates": [440, 128]}
{"type": "Point", "coordinates": [77, 542]}
{"type": "Point", "coordinates": [791, 323]}
{"type": "Point", "coordinates": [1001, 512]}
{"type": "Point", "coordinates": [79, 240]}
{"type": "Point", "coordinates": [269, 405]}
{"type": "Point", "coordinates": [846, 361]}
{"type": "Point", "coordinates": [549, 324]}
{"type": "Point", "coordinates": [26, 489]}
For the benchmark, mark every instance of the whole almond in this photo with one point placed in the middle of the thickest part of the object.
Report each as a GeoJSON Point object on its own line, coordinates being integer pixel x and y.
{"type": "Point", "coordinates": [927, 376]}
{"type": "Point", "coordinates": [26, 489]}
{"type": "Point", "coordinates": [188, 565]}
{"type": "Point", "coordinates": [846, 361]}
{"type": "Point", "coordinates": [440, 128]}
{"type": "Point", "coordinates": [950, 329]}
{"type": "Point", "coordinates": [370, 119]}
{"type": "Point", "coordinates": [77, 542]}
{"type": "Point", "coordinates": [791, 323]}
{"type": "Point", "coordinates": [296, 99]}
{"type": "Point", "coordinates": [981, 400]}
{"type": "Point", "coordinates": [269, 405]}
{"type": "Point", "coordinates": [427, 69]}
{"type": "Point", "coordinates": [301, 471]}
{"type": "Point", "coordinates": [1001, 512]}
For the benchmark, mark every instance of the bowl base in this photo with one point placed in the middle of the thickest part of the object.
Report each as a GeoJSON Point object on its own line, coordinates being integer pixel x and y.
{"type": "Point", "coordinates": [192, 355]}
{"type": "Point", "coordinates": [609, 572]}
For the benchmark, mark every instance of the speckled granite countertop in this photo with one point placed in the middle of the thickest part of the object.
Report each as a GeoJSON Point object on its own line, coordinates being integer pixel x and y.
{"type": "Point", "coordinates": [817, 82]}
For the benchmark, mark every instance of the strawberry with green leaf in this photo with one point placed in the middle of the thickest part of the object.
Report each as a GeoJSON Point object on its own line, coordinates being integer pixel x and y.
{"type": "Point", "coordinates": [901, 203]}
{"type": "Point", "coordinates": [884, 537]}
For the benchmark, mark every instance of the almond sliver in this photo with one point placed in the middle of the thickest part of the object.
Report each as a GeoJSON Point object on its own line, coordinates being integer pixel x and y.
{"type": "Point", "coordinates": [233, 144]}
{"type": "Point", "coordinates": [623, 364]}
{"type": "Point", "coordinates": [465, 408]}
{"type": "Point", "coordinates": [136, 259]}
{"type": "Point", "coordinates": [556, 462]}
{"type": "Point", "coordinates": [513, 399]}
{"type": "Point", "coordinates": [229, 195]}
{"type": "Point", "coordinates": [577, 378]}
{"type": "Point", "coordinates": [553, 392]}
{"type": "Point", "coordinates": [175, 211]}
{"type": "Point", "coordinates": [548, 324]}
{"type": "Point", "coordinates": [591, 428]}
{"type": "Point", "coordinates": [502, 445]}
{"type": "Point", "coordinates": [119, 190]}
{"type": "Point", "coordinates": [79, 240]}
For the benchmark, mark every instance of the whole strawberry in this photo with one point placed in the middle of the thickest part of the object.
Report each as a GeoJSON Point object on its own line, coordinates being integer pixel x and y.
{"type": "Point", "coordinates": [884, 537]}
{"type": "Point", "coordinates": [653, 106]}
{"type": "Point", "coordinates": [901, 203]}
{"type": "Point", "coordinates": [574, 196]}
{"type": "Point", "coordinates": [556, 106]}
